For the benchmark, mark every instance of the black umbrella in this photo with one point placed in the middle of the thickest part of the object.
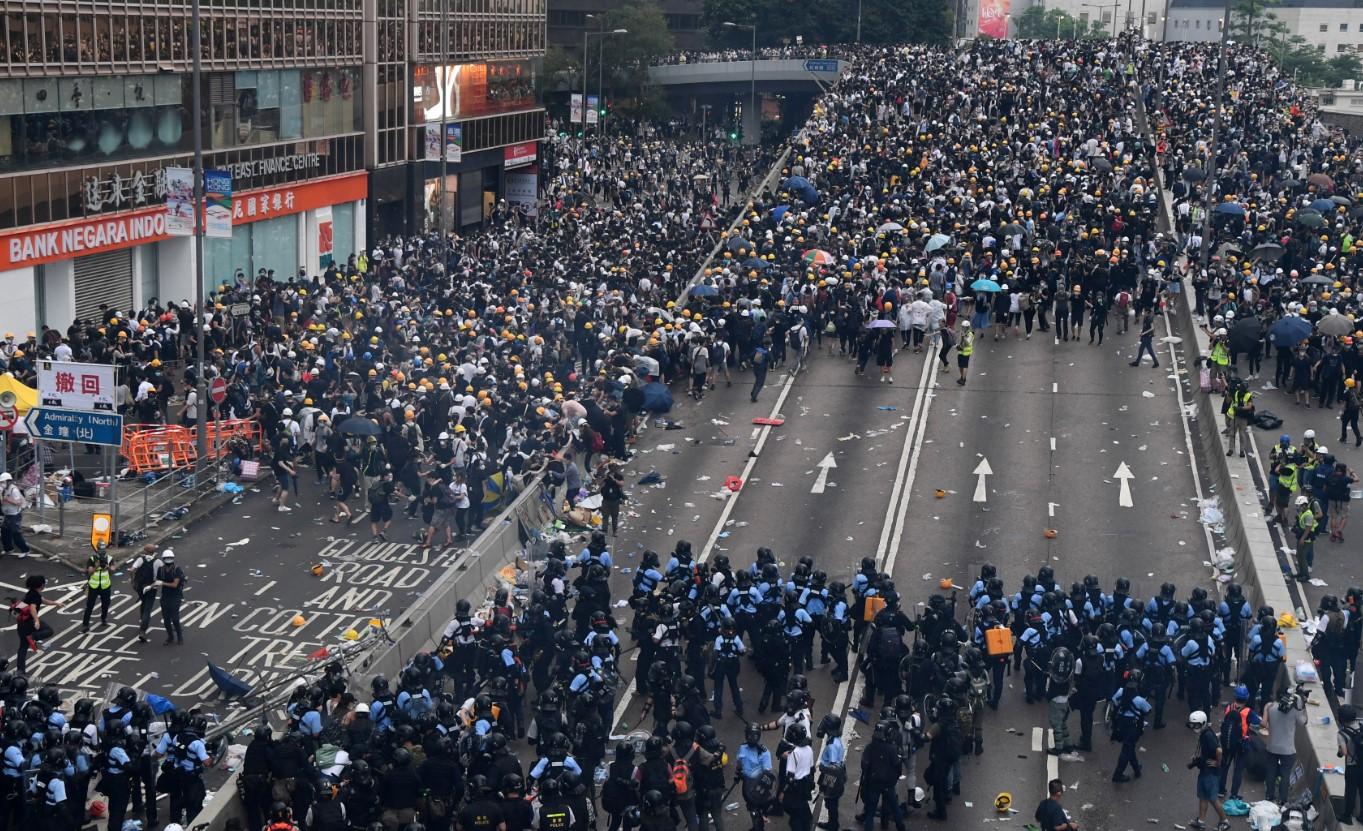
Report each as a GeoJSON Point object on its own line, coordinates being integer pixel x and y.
{"type": "Point", "coordinates": [1194, 174]}
{"type": "Point", "coordinates": [1244, 334]}
{"type": "Point", "coordinates": [1103, 164]}
{"type": "Point", "coordinates": [1310, 219]}
{"type": "Point", "coordinates": [357, 426]}
{"type": "Point", "coordinates": [1269, 251]}
{"type": "Point", "coordinates": [737, 243]}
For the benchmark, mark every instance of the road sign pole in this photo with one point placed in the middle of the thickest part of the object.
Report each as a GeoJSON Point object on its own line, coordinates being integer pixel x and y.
{"type": "Point", "coordinates": [111, 455]}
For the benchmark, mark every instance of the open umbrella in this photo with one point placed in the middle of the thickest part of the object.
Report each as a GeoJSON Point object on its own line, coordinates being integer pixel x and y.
{"type": "Point", "coordinates": [1310, 219]}
{"type": "Point", "coordinates": [881, 323]}
{"type": "Point", "coordinates": [889, 227]}
{"type": "Point", "coordinates": [1268, 252]}
{"type": "Point", "coordinates": [159, 704]}
{"type": "Point", "coordinates": [1320, 180]}
{"type": "Point", "coordinates": [1194, 174]}
{"type": "Point", "coordinates": [704, 290]}
{"type": "Point", "coordinates": [1341, 200]}
{"type": "Point", "coordinates": [1335, 324]}
{"type": "Point", "coordinates": [229, 684]}
{"type": "Point", "coordinates": [985, 284]}
{"type": "Point", "coordinates": [1102, 163]}
{"type": "Point", "coordinates": [801, 187]}
{"type": "Point", "coordinates": [779, 211]}
{"type": "Point", "coordinates": [1230, 209]}
{"type": "Point", "coordinates": [1011, 229]}
{"type": "Point", "coordinates": [657, 398]}
{"type": "Point", "coordinates": [1317, 280]}
{"type": "Point", "coordinates": [759, 264]}
{"type": "Point", "coordinates": [1244, 334]}
{"type": "Point", "coordinates": [358, 426]}
{"type": "Point", "coordinates": [1323, 205]}
{"type": "Point", "coordinates": [737, 243]}
{"type": "Point", "coordinates": [936, 241]}
{"type": "Point", "coordinates": [1227, 249]}
{"type": "Point", "coordinates": [817, 256]}
{"type": "Point", "coordinates": [1290, 331]}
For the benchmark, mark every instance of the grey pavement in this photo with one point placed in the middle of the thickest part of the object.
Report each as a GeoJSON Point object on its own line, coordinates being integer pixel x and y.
{"type": "Point", "coordinates": [879, 501]}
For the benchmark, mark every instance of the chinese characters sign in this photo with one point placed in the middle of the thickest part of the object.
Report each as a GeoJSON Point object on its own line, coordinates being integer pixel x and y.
{"type": "Point", "coordinates": [70, 425]}
{"type": "Point", "coordinates": [39, 244]}
{"type": "Point", "coordinates": [75, 386]}
{"type": "Point", "coordinates": [116, 192]}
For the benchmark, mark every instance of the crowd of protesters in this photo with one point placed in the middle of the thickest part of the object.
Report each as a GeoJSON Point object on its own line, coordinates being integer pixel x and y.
{"type": "Point", "coordinates": [934, 197]}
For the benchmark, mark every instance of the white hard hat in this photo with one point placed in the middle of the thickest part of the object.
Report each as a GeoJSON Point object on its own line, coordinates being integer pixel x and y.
{"type": "Point", "coordinates": [1301, 500]}
{"type": "Point", "coordinates": [5, 477]}
{"type": "Point", "coordinates": [443, 436]}
{"type": "Point", "coordinates": [288, 412]}
{"type": "Point", "coordinates": [1322, 450]}
{"type": "Point", "coordinates": [1309, 434]}
{"type": "Point", "coordinates": [1197, 718]}
{"type": "Point", "coordinates": [168, 554]}
{"type": "Point", "coordinates": [965, 324]}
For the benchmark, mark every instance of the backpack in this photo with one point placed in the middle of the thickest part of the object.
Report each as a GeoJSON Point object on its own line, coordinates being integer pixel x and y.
{"type": "Point", "coordinates": [1355, 737]}
{"type": "Point", "coordinates": [1233, 735]}
{"type": "Point", "coordinates": [680, 774]}
{"type": "Point", "coordinates": [888, 644]}
{"type": "Point", "coordinates": [1060, 667]}
{"type": "Point", "coordinates": [760, 789]}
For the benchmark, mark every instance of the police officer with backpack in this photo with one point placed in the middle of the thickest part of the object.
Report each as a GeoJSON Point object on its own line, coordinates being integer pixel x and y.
{"type": "Point", "coordinates": [185, 756]}
{"type": "Point", "coordinates": [1059, 682]}
{"type": "Point", "coordinates": [115, 776]}
{"type": "Point", "coordinates": [1129, 709]}
{"type": "Point", "coordinates": [729, 651]}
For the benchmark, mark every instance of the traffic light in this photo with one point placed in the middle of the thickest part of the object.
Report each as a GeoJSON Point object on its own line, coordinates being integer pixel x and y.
{"type": "Point", "coordinates": [733, 135]}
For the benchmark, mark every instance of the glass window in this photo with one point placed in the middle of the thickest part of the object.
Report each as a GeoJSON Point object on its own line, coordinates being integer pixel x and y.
{"type": "Point", "coordinates": [1344, 27]}
{"type": "Point", "coordinates": [342, 232]}
{"type": "Point", "coordinates": [274, 245]}
{"type": "Point", "coordinates": [1325, 27]}
{"type": "Point", "coordinates": [290, 104]}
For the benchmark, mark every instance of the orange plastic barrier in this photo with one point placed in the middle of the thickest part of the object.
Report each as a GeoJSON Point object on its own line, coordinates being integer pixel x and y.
{"type": "Point", "coordinates": [155, 447]}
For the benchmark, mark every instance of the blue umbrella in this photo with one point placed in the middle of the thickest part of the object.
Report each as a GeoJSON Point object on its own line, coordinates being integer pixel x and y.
{"type": "Point", "coordinates": [1324, 205]}
{"type": "Point", "coordinates": [800, 186]}
{"type": "Point", "coordinates": [657, 398]}
{"type": "Point", "coordinates": [779, 211]}
{"type": "Point", "coordinates": [160, 705]}
{"type": "Point", "coordinates": [985, 284]}
{"type": "Point", "coordinates": [704, 290]}
{"type": "Point", "coordinates": [1290, 331]}
{"type": "Point", "coordinates": [1231, 209]}
{"type": "Point", "coordinates": [936, 241]}
{"type": "Point", "coordinates": [761, 265]}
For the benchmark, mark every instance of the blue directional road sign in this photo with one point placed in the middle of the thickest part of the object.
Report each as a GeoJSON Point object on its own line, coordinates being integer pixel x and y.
{"type": "Point", "coordinates": [821, 65]}
{"type": "Point", "coordinates": [74, 425]}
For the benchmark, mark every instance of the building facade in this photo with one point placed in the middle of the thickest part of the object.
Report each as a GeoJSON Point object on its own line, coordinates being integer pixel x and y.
{"type": "Point", "coordinates": [308, 104]}
{"type": "Point", "coordinates": [1333, 26]}
{"type": "Point", "coordinates": [568, 20]}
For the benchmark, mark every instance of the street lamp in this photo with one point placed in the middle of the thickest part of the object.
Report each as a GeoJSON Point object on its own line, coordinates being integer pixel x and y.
{"type": "Point", "coordinates": [1100, 7]}
{"type": "Point", "coordinates": [752, 75]}
{"type": "Point", "coordinates": [600, 63]}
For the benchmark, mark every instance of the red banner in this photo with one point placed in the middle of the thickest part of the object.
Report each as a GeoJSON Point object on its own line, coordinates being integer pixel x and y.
{"type": "Point", "coordinates": [994, 18]}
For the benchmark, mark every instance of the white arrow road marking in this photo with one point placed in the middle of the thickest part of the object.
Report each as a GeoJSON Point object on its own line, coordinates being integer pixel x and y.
{"type": "Point", "coordinates": [982, 470]}
{"type": "Point", "coordinates": [821, 481]}
{"type": "Point", "coordinates": [1125, 475]}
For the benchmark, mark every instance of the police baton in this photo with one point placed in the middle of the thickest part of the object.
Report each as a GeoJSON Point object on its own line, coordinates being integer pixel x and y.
{"type": "Point", "coordinates": [731, 790]}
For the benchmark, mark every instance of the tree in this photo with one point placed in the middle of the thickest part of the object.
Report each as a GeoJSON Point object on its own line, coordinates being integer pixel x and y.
{"type": "Point", "coordinates": [1339, 69]}
{"type": "Point", "coordinates": [561, 70]}
{"type": "Point", "coordinates": [1038, 23]}
{"type": "Point", "coordinates": [627, 57]}
{"type": "Point", "coordinates": [1247, 18]}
